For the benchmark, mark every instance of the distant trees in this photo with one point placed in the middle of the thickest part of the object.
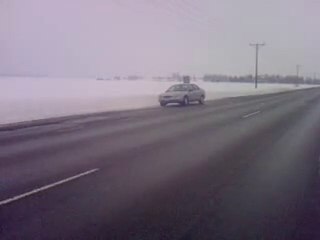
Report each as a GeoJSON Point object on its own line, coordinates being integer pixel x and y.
{"type": "Point", "coordinates": [262, 79]}
{"type": "Point", "coordinates": [216, 78]}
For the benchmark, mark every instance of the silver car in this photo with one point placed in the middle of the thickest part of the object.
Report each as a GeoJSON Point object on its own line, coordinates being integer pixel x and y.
{"type": "Point", "coordinates": [183, 94]}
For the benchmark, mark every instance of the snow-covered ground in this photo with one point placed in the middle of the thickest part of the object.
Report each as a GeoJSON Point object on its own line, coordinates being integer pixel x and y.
{"type": "Point", "coordinates": [23, 99]}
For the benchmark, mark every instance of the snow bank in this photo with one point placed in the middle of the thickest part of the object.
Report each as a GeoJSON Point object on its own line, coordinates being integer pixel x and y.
{"type": "Point", "coordinates": [23, 99]}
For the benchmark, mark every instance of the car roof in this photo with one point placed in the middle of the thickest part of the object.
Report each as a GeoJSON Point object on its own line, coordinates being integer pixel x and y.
{"type": "Point", "coordinates": [181, 84]}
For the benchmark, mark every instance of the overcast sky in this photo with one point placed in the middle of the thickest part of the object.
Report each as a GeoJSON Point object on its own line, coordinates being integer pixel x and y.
{"type": "Point", "coordinates": [83, 38]}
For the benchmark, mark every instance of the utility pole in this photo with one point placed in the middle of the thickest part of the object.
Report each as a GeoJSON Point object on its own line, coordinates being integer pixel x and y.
{"type": "Point", "coordinates": [298, 72]}
{"type": "Point", "coordinates": [257, 46]}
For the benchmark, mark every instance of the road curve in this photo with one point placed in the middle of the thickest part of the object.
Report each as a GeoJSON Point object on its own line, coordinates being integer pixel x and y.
{"type": "Point", "coordinates": [237, 168]}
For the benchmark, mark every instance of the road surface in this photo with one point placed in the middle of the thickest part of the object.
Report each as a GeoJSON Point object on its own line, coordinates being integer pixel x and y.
{"type": "Point", "coordinates": [237, 168]}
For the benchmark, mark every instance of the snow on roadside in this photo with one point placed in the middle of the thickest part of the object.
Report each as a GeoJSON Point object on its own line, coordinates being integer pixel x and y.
{"type": "Point", "coordinates": [24, 99]}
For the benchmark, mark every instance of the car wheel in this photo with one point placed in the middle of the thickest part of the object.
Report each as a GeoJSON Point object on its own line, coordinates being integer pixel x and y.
{"type": "Point", "coordinates": [163, 104]}
{"type": "Point", "coordinates": [201, 101]}
{"type": "Point", "coordinates": [185, 101]}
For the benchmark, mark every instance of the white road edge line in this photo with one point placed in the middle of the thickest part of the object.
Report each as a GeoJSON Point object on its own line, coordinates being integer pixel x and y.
{"type": "Point", "coordinates": [41, 189]}
{"type": "Point", "coordinates": [319, 166]}
{"type": "Point", "coordinates": [251, 114]}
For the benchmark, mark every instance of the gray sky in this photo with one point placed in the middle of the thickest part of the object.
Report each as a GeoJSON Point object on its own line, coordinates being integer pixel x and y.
{"type": "Point", "coordinates": [81, 38]}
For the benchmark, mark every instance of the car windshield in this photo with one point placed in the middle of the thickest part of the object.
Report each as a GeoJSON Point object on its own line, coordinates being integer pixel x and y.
{"type": "Point", "coordinates": [178, 88]}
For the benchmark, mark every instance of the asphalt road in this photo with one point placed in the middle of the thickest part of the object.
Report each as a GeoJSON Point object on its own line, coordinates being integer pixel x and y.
{"type": "Point", "coordinates": [238, 168]}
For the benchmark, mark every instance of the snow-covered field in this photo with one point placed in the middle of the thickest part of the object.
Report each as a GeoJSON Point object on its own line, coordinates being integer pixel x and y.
{"type": "Point", "coordinates": [23, 99]}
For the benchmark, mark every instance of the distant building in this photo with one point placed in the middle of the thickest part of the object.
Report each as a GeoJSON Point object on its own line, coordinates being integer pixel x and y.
{"type": "Point", "coordinates": [134, 77]}
{"type": "Point", "coordinates": [186, 79]}
{"type": "Point", "coordinates": [176, 77]}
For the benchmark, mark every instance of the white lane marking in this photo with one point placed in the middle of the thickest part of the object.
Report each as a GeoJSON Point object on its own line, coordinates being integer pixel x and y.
{"type": "Point", "coordinates": [251, 114]}
{"type": "Point", "coordinates": [319, 167]}
{"type": "Point", "coordinates": [41, 189]}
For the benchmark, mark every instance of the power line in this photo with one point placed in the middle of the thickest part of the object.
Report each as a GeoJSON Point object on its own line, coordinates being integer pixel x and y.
{"type": "Point", "coordinates": [194, 14]}
{"type": "Point", "coordinates": [136, 8]}
{"type": "Point", "coordinates": [182, 12]}
{"type": "Point", "coordinates": [257, 47]}
{"type": "Point", "coordinates": [196, 10]}
{"type": "Point", "coordinates": [180, 17]}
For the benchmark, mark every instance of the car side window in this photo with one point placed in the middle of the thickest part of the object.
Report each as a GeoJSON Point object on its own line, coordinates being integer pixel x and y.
{"type": "Point", "coordinates": [195, 87]}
